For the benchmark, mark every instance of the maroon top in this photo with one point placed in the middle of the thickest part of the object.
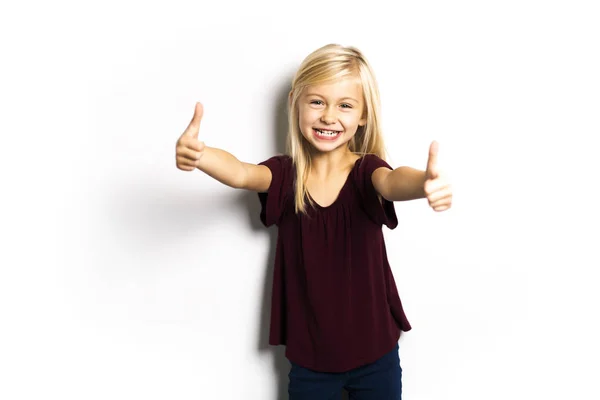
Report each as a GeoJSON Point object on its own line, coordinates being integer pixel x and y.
{"type": "Point", "coordinates": [334, 304]}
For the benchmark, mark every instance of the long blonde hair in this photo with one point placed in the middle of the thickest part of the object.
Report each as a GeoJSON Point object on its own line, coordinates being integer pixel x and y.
{"type": "Point", "coordinates": [328, 63]}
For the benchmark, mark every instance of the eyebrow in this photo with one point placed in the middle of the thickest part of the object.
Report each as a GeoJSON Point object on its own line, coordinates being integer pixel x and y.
{"type": "Point", "coordinates": [343, 98]}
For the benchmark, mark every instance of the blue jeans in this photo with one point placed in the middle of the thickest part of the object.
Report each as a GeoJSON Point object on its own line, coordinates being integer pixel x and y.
{"type": "Point", "coordinates": [380, 380]}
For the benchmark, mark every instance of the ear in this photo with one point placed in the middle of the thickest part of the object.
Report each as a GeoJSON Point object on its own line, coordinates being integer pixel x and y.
{"type": "Point", "coordinates": [363, 120]}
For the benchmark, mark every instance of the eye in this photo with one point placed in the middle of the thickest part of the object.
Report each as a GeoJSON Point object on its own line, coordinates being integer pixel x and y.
{"type": "Point", "coordinates": [346, 105]}
{"type": "Point", "coordinates": [317, 102]}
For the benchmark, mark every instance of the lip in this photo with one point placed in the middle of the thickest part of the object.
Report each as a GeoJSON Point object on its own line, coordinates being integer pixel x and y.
{"type": "Point", "coordinates": [324, 138]}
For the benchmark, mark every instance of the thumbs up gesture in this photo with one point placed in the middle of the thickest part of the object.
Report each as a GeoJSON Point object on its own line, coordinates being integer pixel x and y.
{"type": "Point", "coordinates": [437, 187]}
{"type": "Point", "coordinates": [189, 149]}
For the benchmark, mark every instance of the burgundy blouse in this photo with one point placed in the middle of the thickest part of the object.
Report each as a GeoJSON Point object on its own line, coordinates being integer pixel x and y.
{"type": "Point", "coordinates": [334, 303]}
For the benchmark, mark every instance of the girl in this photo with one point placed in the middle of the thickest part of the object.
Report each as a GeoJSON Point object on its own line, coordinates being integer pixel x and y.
{"type": "Point", "coordinates": [335, 304]}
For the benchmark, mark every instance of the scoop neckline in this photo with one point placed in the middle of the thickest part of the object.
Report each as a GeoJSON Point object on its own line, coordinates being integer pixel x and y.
{"type": "Point", "coordinates": [339, 195]}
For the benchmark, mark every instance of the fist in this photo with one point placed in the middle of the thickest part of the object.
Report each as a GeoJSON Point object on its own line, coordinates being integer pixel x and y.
{"type": "Point", "coordinates": [438, 190]}
{"type": "Point", "coordinates": [189, 149]}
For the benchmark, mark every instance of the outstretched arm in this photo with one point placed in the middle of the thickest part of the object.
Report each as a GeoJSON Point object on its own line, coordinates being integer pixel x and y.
{"type": "Point", "coordinates": [191, 153]}
{"type": "Point", "coordinates": [400, 184]}
{"type": "Point", "coordinates": [405, 183]}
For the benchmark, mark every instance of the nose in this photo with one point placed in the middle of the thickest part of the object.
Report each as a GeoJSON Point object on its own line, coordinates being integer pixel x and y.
{"type": "Point", "coordinates": [328, 116]}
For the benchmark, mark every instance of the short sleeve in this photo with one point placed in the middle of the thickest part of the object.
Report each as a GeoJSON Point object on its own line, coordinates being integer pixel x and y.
{"type": "Point", "coordinates": [380, 211]}
{"type": "Point", "coordinates": [273, 201]}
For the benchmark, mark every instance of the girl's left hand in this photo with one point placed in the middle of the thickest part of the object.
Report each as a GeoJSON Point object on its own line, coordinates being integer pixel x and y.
{"type": "Point", "coordinates": [438, 190]}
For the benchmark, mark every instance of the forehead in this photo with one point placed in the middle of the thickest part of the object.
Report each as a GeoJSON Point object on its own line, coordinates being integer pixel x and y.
{"type": "Point", "coordinates": [339, 88]}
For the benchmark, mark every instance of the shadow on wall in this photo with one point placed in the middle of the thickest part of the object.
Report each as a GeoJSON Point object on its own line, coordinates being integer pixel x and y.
{"type": "Point", "coordinates": [281, 365]}
{"type": "Point", "coordinates": [148, 216]}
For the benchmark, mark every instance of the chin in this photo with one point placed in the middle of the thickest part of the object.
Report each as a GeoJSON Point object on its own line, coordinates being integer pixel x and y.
{"type": "Point", "coordinates": [328, 147]}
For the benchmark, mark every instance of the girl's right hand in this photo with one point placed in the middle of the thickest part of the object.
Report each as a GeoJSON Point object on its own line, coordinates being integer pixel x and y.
{"type": "Point", "coordinates": [189, 149]}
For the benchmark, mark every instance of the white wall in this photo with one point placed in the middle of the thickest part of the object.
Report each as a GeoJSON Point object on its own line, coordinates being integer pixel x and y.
{"type": "Point", "coordinates": [125, 278]}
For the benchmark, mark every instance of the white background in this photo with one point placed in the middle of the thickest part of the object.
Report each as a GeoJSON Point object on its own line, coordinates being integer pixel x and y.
{"type": "Point", "coordinates": [124, 278]}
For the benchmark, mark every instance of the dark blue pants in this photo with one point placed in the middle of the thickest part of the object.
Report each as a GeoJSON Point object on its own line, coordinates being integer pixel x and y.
{"type": "Point", "coordinates": [380, 380]}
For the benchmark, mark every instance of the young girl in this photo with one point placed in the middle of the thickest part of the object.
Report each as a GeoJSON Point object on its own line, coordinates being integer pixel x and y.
{"type": "Point", "coordinates": [335, 304]}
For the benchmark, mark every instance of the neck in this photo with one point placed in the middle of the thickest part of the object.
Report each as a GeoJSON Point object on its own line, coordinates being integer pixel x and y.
{"type": "Point", "coordinates": [323, 164]}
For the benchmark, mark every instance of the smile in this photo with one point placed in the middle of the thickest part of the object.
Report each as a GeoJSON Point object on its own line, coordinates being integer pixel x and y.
{"type": "Point", "coordinates": [326, 134]}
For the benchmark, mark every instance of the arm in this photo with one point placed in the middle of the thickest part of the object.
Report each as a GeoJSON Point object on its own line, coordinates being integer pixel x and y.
{"type": "Point", "coordinates": [191, 153]}
{"type": "Point", "coordinates": [403, 183]}
{"type": "Point", "coordinates": [232, 172]}
{"type": "Point", "coordinates": [407, 183]}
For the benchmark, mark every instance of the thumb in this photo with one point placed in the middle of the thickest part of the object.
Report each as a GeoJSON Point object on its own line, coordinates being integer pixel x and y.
{"type": "Point", "coordinates": [194, 127]}
{"type": "Point", "coordinates": [432, 162]}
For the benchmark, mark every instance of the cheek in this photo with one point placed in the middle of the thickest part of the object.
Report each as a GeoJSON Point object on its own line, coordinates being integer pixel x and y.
{"type": "Point", "coordinates": [307, 115]}
{"type": "Point", "coordinates": [350, 119]}
{"type": "Point", "coordinates": [302, 125]}
{"type": "Point", "coordinates": [304, 122]}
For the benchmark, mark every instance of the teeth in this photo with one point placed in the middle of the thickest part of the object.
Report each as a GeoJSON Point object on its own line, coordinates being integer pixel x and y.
{"type": "Point", "coordinates": [327, 133]}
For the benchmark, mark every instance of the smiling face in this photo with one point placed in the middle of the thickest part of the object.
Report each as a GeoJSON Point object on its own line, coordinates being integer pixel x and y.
{"type": "Point", "coordinates": [329, 114]}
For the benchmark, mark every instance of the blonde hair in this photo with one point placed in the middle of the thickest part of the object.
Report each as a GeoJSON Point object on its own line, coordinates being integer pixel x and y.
{"type": "Point", "coordinates": [328, 63]}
